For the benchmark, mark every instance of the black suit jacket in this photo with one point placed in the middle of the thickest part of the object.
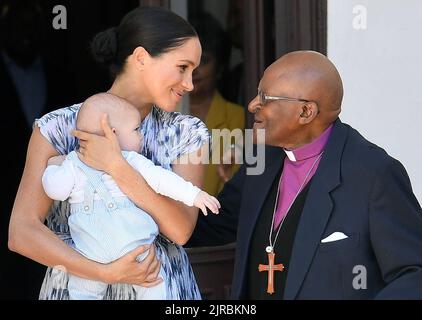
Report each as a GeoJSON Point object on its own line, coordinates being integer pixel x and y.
{"type": "Point", "coordinates": [358, 190]}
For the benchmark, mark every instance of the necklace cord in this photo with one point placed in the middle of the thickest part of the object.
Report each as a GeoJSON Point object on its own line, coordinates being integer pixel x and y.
{"type": "Point", "coordinates": [291, 204]}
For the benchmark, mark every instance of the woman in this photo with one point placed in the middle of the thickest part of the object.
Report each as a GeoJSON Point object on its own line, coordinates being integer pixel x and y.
{"type": "Point", "coordinates": [151, 69]}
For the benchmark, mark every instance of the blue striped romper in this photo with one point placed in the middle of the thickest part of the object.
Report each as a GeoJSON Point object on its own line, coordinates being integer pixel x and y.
{"type": "Point", "coordinates": [167, 136]}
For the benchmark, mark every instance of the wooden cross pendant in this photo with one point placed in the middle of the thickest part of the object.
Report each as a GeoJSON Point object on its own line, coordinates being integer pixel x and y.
{"type": "Point", "coordinates": [270, 267]}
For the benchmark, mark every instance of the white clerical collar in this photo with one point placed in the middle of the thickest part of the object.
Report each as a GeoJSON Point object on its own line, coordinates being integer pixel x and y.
{"type": "Point", "coordinates": [310, 150]}
{"type": "Point", "coordinates": [290, 155]}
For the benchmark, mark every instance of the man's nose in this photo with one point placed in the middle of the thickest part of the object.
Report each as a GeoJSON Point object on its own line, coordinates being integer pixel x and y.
{"type": "Point", "coordinates": [254, 106]}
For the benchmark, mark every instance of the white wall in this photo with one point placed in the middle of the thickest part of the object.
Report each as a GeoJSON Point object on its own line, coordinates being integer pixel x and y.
{"type": "Point", "coordinates": [381, 67]}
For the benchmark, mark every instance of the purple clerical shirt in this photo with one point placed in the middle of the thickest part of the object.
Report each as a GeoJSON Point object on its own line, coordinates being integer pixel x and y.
{"type": "Point", "coordinates": [297, 165]}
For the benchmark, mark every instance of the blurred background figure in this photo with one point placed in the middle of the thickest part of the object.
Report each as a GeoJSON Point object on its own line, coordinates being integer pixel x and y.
{"type": "Point", "coordinates": [30, 86]}
{"type": "Point", "coordinates": [232, 84]}
{"type": "Point", "coordinates": [205, 101]}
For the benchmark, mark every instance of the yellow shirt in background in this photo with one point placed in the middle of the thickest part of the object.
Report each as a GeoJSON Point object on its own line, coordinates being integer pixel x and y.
{"type": "Point", "coordinates": [221, 115]}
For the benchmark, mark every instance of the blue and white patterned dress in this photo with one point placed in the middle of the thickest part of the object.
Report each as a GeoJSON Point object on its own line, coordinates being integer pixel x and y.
{"type": "Point", "coordinates": [167, 136]}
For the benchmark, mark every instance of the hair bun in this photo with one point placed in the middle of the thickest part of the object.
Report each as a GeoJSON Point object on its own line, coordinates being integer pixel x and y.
{"type": "Point", "coordinates": [104, 46]}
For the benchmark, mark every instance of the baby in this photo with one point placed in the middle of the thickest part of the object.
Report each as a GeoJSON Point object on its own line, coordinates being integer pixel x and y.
{"type": "Point", "coordinates": [104, 223]}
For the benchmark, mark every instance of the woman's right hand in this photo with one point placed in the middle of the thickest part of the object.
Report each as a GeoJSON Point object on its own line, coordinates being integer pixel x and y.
{"type": "Point", "coordinates": [99, 152]}
{"type": "Point", "coordinates": [128, 270]}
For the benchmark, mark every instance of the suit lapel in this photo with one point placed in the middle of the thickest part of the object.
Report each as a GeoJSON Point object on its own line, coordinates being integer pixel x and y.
{"type": "Point", "coordinates": [259, 187]}
{"type": "Point", "coordinates": [255, 192]}
{"type": "Point", "coordinates": [316, 212]}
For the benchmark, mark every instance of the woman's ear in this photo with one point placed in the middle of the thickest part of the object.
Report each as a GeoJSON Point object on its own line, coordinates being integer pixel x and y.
{"type": "Point", "coordinates": [140, 56]}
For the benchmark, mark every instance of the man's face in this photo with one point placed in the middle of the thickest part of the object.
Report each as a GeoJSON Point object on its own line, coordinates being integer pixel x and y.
{"type": "Point", "coordinates": [279, 119]}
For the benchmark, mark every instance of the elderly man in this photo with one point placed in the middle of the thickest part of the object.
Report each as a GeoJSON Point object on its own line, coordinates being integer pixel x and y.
{"type": "Point", "coordinates": [333, 216]}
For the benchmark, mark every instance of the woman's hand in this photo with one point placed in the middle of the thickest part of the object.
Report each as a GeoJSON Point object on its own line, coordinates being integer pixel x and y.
{"type": "Point", "coordinates": [100, 152]}
{"type": "Point", "coordinates": [229, 160]}
{"type": "Point", "coordinates": [128, 270]}
{"type": "Point", "coordinates": [226, 165]}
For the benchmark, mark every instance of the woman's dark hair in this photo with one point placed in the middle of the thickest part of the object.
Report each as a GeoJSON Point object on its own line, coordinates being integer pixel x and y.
{"type": "Point", "coordinates": [214, 39]}
{"type": "Point", "coordinates": [156, 29]}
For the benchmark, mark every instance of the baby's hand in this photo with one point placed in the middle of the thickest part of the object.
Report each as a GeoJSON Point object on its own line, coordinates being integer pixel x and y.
{"type": "Point", "coordinates": [56, 161]}
{"type": "Point", "coordinates": [203, 201]}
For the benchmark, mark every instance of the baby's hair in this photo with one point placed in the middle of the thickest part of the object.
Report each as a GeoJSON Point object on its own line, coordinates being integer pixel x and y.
{"type": "Point", "coordinates": [92, 110]}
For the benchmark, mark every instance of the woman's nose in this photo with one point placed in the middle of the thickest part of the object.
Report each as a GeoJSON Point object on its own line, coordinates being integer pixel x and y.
{"type": "Point", "coordinates": [187, 83]}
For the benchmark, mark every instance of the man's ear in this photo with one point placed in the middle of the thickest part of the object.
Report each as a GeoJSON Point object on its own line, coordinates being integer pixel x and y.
{"type": "Point", "coordinates": [140, 56]}
{"type": "Point", "coordinates": [308, 112]}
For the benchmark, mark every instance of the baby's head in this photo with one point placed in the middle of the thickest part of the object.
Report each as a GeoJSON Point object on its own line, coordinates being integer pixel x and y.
{"type": "Point", "coordinates": [123, 117]}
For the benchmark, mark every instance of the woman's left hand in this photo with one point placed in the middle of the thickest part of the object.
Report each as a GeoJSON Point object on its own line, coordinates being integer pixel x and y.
{"type": "Point", "coordinates": [99, 152]}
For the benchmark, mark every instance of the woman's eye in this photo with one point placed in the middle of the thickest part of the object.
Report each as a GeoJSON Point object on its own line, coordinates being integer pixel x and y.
{"type": "Point", "coordinates": [183, 68]}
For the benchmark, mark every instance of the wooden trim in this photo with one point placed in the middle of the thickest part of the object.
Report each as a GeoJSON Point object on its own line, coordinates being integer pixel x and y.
{"type": "Point", "coordinates": [195, 6]}
{"type": "Point", "coordinates": [259, 47]}
{"type": "Point", "coordinates": [300, 25]}
{"type": "Point", "coordinates": [254, 49]}
{"type": "Point", "coordinates": [322, 26]}
{"type": "Point", "coordinates": [155, 3]}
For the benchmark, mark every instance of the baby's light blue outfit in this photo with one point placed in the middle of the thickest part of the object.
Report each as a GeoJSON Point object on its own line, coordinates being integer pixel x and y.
{"type": "Point", "coordinates": [106, 226]}
{"type": "Point", "coordinates": [104, 230]}
{"type": "Point", "coordinates": [167, 137]}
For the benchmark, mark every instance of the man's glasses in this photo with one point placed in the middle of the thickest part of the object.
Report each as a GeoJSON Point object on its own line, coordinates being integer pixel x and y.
{"type": "Point", "coordinates": [264, 98]}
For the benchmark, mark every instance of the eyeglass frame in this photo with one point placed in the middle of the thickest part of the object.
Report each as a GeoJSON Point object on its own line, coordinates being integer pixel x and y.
{"type": "Point", "coordinates": [262, 95]}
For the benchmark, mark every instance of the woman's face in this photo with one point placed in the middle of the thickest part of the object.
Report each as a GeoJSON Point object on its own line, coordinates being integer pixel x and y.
{"type": "Point", "coordinates": [169, 76]}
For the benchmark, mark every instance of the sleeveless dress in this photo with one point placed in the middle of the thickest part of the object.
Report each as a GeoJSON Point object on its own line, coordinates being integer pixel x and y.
{"type": "Point", "coordinates": [167, 136]}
